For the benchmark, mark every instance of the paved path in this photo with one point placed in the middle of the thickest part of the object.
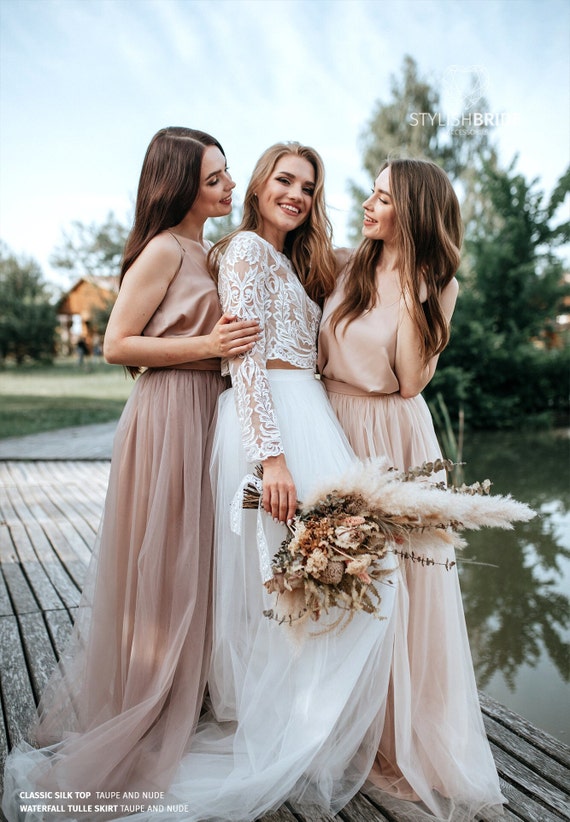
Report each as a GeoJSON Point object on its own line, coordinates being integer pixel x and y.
{"type": "Point", "coordinates": [84, 442]}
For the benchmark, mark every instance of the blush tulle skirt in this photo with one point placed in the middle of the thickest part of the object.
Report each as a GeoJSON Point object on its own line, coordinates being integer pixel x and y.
{"type": "Point", "coordinates": [433, 749]}
{"type": "Point", "coordinates": [121, 708]}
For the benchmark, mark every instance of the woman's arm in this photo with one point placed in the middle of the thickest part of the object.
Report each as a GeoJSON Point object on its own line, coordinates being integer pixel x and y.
{"type": "Point", "coordinates": [242, 276]}
{"type": "Point", "coordinates": [413, 375]}
{"type": "Point", "coordinates": [142, 291]}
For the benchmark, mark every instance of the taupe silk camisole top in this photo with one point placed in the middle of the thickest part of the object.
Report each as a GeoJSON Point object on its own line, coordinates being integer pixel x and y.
{"type": "Point", "coordinates": [191, 306]}
{"type": "Point", "coordinates": [360, 357]}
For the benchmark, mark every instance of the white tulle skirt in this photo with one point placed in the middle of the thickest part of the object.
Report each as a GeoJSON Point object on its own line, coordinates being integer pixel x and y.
{"type": "Point", "coordinates": [293, 715]}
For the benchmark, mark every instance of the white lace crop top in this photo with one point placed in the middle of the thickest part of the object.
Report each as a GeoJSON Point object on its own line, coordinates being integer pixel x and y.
{"type": "Point", "coordinates": [258, 282]}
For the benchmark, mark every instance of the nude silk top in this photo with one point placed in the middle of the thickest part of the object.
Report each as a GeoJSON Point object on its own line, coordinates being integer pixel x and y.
{"type": "Point", "coordinates": [360, 358]}
{"type": "Point", "coordinates": [191, 306]}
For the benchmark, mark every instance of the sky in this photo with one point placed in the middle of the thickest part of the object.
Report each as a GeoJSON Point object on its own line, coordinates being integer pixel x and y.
{"type": "Point", "coordinates": [84, 85]}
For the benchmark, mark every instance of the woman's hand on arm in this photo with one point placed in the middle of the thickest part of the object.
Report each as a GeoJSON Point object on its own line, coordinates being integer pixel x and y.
{"type": "Point", "coordinates": [231, 337]}
{"type": "Point", "coordinates": [412, 373]}
{"type": "Point", "coordinates": [279, 492]}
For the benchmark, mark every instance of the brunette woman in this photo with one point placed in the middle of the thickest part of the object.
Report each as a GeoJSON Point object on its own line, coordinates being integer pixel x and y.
{"type": "Point", "coordinates": [383, 329]}
{"type": "Point", "coordinates": [123, 704]}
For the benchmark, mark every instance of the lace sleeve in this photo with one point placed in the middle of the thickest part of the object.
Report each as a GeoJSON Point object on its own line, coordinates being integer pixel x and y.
{"type": "Point", "coordinates": [242, 277]}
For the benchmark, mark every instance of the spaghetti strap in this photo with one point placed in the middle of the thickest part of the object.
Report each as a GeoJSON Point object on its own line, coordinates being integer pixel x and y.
{"type": "Point", "coordinates": [182, 253]}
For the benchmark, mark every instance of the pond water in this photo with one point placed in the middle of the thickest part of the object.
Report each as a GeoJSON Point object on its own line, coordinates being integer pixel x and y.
{"type": "Point", "coordinates": [517, 601]}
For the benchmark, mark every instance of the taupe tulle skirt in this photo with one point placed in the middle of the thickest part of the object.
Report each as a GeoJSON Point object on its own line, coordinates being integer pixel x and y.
{"type": "Point", "coordinates": [433, 750]}
{"type": "Point", "coordinates": [122, 707]}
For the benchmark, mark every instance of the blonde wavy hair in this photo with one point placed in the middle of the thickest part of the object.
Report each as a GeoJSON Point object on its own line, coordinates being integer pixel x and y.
{"type": "Point", "coordinates": [429, 233]}
{"type": "Point", "coordinates": [309, 247]}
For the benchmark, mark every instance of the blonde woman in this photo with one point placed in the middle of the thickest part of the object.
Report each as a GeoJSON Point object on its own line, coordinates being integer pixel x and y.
{"type": "Point", "coordinates": [290, 719]}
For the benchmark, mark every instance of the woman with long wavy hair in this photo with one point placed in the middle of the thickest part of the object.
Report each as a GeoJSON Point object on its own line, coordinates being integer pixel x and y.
{"type": "Point", "coordinates": [293, 716]}
{"type": "Point", "coordinates": [123, 704]}
{"type": "Point", "coordinates": [383, 329]}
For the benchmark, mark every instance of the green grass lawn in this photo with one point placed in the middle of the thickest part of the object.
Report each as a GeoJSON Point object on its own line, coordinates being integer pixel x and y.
{"type": "Point", "coordinates": [43, 398]}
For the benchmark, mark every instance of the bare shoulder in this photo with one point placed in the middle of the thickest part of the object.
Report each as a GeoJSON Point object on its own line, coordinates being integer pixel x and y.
{"type": "Point", "coordinates": [342, 256]}
{"type": "Point", "coordinates": [162, 248]}
{"type": "Point", "coordinates": [452, 287]}
{"type": "Point", "coordinates": [159, 259]}
{"type": "Point", "coordinates": [449, 297]}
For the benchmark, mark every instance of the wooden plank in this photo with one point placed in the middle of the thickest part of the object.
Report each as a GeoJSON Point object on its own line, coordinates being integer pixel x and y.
{"type": "Point", "coordinates": [23, 509]}
{"type": "Point", "coordinates": [38, 650]}
{"type": "Point", "coordinates": [363, 809]}
{"type": "Point", "coordinates": [76, 568]}
{"type": "Point", "coordinates": [3, 754]}
{"type": "Point", "coordinates": [19, 593]}
{"type": "Point", "coordinates": [71, 541]}
{"type": "Point", "coordinates": [89, 480]}
{"type": "Point", "coordinates": [88, 487]}
{"type": "Point", "coordinates": [67, 590]}
{"type": "Point", "coordinates": [5, 604]}
{"type": "Point", "coordinates": [7, 512]}
{"type": "Point", "coordinates": [59, 625]}
{"type": "Point", "coordinates": [553, 801]}
{"type": "Point", "coordinates": [527, 753]}
{"type": "Point", "coordinates": [283, 814]}
{"type": "Point", "coordinates": [38, 580]}
{"type": "Point", "coordinates": [308, 814]}
{"type": "Point", "coordinates": [54, 505]}
{"type": "Point", "coordinates": [525, 808]}
{"type": "Point", "coordinates": [17, 695]}
{"type": "Point", "coordinates": [521, 727]}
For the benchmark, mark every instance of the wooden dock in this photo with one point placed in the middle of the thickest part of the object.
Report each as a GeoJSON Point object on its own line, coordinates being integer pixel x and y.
{"type": "Point", "coordinates": [49, 516]}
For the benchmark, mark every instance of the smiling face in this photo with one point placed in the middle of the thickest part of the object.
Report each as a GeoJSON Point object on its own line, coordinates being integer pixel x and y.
{"type": "Point", "coordinates": [214, 197]}
{"type": "Point", "coordinates": [379, 213]}
{"type": "Point", "coordinates": [286, 198]}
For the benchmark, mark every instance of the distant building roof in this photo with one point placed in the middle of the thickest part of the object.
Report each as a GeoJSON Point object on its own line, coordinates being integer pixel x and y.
{"type": "Point", "coordinates": [88, 294]}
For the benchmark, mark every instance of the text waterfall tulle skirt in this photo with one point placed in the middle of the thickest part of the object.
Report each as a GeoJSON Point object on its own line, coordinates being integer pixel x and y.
{"type": "Point", "coordinates": [433, 747]}
{"type": "Point", "coordinates": [121, 709]}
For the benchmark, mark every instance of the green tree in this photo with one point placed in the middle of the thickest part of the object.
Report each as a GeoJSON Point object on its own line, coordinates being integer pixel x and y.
{"type": "Point", "coordinates": [222, 226]}
{"type": "Point", "coordinates": [507, 362]}
{"type": "Point", "coordinates": [27, 318]}
{"type": "Point", "coordinates": [92, 249]}
{"type": "Point", "coordinates": [413, 124]}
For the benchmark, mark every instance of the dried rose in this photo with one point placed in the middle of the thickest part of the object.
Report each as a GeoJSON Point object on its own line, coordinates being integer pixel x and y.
{"type": "Point", "coordinates": [316, 562]}
{"type": "Point", "coordinates": [359, 565]}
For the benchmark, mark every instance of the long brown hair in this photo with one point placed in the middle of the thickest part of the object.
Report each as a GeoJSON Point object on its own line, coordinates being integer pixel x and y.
{"type": "Point", "coordinates": [309, 247]}
{"type": "Point", "coordinates": [429, 232]}
{"type": "Point", "coordinates": [168, 186]}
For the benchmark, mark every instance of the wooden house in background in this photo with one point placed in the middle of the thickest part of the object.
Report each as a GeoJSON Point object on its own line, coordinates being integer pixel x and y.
{"type": "Point", "coordinates": [79, 310]}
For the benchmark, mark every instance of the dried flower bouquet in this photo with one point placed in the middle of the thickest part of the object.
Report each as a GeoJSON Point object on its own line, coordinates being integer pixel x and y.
{"type": "Point", "coordinates": [336, 549]}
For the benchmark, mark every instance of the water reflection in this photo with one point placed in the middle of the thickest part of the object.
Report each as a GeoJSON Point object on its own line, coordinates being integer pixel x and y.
{"type": "Point", "coordinates": [518, 612]}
